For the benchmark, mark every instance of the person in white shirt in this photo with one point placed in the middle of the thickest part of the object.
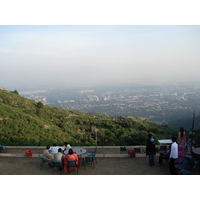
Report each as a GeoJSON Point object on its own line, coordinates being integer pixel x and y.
{"type": "Point", "coordinates": [67, 147]}
{"type": "Point", "coordinates": [173, 156]}
{"type": "Point", "coordinates": [54, 149]}
{"type": "Point", "coordinates": [59, 156]}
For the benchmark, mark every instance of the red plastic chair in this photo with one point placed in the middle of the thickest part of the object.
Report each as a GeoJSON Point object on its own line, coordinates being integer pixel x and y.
{"type": "Point", "coordinates": [28, 153]}
{"type": "Point", "coordinates": [131, 153]}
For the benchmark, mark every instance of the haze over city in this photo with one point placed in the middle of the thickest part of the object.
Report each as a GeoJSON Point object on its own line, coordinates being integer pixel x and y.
{"type": "Point", "coordinates": [45, 56]}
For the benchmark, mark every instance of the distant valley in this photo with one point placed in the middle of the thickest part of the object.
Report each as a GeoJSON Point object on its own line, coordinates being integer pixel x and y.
{"type": "Point", "coordinates": [158, 103]}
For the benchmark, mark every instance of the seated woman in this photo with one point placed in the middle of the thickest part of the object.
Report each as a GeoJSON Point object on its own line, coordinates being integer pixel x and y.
{"type": "Point", "coordinates": [70, 156]}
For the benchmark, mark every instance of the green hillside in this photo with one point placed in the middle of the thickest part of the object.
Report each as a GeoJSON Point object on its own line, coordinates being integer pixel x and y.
{"type": "Point", "coordinates": [26, 122]}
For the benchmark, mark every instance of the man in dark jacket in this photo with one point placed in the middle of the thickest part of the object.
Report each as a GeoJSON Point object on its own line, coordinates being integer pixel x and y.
{"type": "Point", "coordinates": [150, 150]}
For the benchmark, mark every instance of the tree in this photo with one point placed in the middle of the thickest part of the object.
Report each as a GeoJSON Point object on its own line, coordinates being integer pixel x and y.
{"type": "Point", "coordinates": [40, 105]}
{"type": "Point", "coordinates": [16, 92]}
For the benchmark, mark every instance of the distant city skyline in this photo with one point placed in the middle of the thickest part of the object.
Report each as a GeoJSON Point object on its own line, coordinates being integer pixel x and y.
{"type": "Point", "coordinates": [41, 56]}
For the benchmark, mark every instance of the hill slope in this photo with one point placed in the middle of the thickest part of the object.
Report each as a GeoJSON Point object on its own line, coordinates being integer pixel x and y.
{"type": "Point", "coordinates": [26, 122]}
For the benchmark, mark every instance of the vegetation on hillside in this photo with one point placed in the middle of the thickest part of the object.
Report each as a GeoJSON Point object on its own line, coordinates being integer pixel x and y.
{"type": "Point", "coordinates": [26, 122]}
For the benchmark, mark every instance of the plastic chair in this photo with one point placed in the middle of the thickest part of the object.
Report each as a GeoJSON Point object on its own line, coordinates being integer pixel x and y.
{"type": "Point", "coordinates": [137, 150]}
{"type": "Point", "coordinates": [72, 163]}
{"type": "Point", "coordinates": [89, 159]}
{"type": "Point", "coordinates": [123, 149]}
{"type": "Point", "coordinates": [143, 150]}
{"type": "Point", "coordinates": [193, 166]}
{"type": "Point", "coordinates": [163, 148]}
{"type": "Point", "coordinates": [93, 154]}
{"type": "Point", "coordinates": [188, 144]}
{"type": "Point", "coordinates": [182, 165]}
{"type": "Point", "coordinates": [188, 156]}
{"type": "Point", "coordinates": [3, 149]}
{"type": "Point", "coordinates": [131, 153]}
{"type": "Point", "coordinates": [42, 161]}
{"type": "Point", "coordinates": [28, 153]}
{"type": "Point", "coordinates": [58, 165]}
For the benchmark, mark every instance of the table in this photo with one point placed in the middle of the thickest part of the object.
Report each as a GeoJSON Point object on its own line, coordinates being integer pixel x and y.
{"type": "Point", "coordinates": [54, 149]}
{"type": "Point", "coordinates": [165, 141]}
{"type": "Point", "coordinates": [196, 150]}
{"type": "Point", "coordinates": [79, 151]}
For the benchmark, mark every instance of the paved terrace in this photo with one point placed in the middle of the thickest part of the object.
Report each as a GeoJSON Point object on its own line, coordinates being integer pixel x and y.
{"type": "Point", "coordinates": [110, 161]}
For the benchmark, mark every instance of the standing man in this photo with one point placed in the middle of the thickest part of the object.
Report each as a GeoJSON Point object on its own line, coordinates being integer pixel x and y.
{"type": "Point", "coordinates": [66, 147]}
{"type": "Point", "coordinates": [173, 156]}
{"type": "Point", "coordinates": [150, 150]}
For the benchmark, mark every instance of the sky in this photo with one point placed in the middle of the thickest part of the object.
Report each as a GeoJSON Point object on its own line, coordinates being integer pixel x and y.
{"type": "Point", "coordinates": [94, 54]}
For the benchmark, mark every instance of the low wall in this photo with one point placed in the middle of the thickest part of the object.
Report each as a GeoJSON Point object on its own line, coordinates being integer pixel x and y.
{"type": "Point", "coordinates": [102, 152]}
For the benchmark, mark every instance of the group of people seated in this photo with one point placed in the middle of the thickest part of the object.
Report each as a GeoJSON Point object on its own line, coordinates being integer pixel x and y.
{"type": "Point", "coordinates": [56, 154]}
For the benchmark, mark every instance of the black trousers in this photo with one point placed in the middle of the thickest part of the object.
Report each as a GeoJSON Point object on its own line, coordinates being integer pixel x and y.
{"type": "Point", "coordinates": [172, 166]}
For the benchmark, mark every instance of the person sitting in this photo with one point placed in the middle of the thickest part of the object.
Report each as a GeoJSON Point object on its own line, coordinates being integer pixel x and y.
{"type": "Point", "coordinates": [58, 157]}
{"type": "Point", "coordinates": [54, 149]}
{"type": "Point", "coordinates": [163, 157]}
{"type": "Point", "coordinates": [66, 147]}
{"type": "Point", "coordinates": [47, 156]}
{"type": "Point", "coordinates": [70, 156]}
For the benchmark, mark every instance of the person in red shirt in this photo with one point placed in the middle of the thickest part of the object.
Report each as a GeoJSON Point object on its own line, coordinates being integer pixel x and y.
{"type": "Point", "coordinates": [70, 156]}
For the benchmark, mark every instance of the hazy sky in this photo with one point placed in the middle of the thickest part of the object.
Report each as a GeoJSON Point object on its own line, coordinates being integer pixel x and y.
{"type": "Point", "coordinates": [67, 55]}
